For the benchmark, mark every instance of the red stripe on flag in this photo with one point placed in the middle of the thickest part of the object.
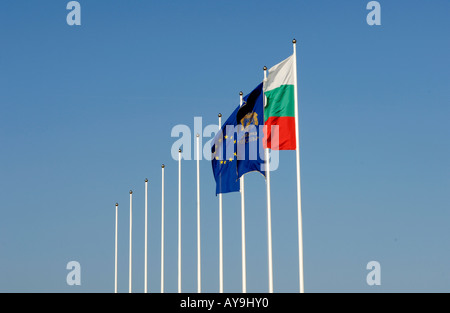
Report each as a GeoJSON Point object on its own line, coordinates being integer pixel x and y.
{"type": "Point", "coordinates": [279, 133]}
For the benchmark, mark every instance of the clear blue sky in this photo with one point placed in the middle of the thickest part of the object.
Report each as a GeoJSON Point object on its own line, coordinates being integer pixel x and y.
{"type": "Point", "coordinates": [86, 115]}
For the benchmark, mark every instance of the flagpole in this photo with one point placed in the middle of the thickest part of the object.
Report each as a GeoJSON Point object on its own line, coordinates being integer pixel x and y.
{"type": "Point", "coordinates": [179, 221]}
{"type": "Point", "coordinates": [199, 268]}
{"type": "Point", "coordinates": [244, 262]}
{"type": "Point", "coordinates": [115, 254]}
{"type": "Point", "coordinates": [131, 233]}
{"type": "Point", "coordinates": [269, 212]}
{"type": "Point", "coordinates": [145, 240]}
{"type": "Point", "coordinates": [297, 155]}
{"type": "Point", "coordinates": [162, 228]}
{"type": "Point", "coordinates": [220, 231]}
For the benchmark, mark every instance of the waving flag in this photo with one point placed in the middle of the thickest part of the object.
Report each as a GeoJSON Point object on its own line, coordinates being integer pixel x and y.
{"type": "Point", "coordinates": [249, 138]}
{"type": "Point", "coordinates": [279, 110]}
{"type": "Point", "coordinates": [224, 157]}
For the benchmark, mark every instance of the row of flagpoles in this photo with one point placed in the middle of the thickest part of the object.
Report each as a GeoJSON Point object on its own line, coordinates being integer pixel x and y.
{"type": "Point", "coordinates": [242, 192]}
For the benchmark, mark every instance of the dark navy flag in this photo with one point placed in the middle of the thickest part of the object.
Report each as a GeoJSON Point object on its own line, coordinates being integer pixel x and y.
{"type": "Point", "coordinates": [224, 157]}
{"type": "Point", "coordinates": [250, 120]}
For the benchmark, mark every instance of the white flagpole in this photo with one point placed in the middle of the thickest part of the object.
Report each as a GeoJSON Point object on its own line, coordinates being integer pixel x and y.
{"type": "Point", "coordinates": [269, 211]}
{"type": "Point", "coordinates": [115, 254]}
{"type": "Point", "coordinates": [220, 231]}
{"type": "Point", "coordinates": [297, 155]}
{"type": "Point", "coordinates": [145, 240]}
{"type": "Point", "coordinates": [179, 221]}
{"type": "Point", "coordinates": [162, 229]}
{"type": "Point", "coordinates": [131, 233]}
{"type": "Point", "coordinates": [244, 262]}
{"type": "Point", "coordinates": [199, 268]}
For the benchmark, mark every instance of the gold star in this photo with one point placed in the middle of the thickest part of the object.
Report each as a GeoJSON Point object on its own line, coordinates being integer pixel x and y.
{"type": "Point", "coordinates": [235, 153]}
{"type": "Point", "coordinates": [231, 159]}
{"type": "Point", "coordinates": [226, 136]}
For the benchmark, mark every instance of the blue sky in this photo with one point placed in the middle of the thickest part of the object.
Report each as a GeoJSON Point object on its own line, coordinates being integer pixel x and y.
{"type": "Point", "coordinates": [86, 114]}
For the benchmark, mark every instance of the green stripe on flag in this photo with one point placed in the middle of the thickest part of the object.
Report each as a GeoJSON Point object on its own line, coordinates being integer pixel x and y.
{"type": "Point", "coordinates": [280, 102]}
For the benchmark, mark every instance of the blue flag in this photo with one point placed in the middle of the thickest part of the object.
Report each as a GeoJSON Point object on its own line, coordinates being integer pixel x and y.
{"type": "Point", "coordinates": [250, 120]}
{"type": "Point", "coordinates": [224, 157]}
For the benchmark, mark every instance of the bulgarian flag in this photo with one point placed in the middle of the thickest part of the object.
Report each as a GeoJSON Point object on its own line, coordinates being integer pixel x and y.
{"type": "Point", "coordinates": [279, 109]}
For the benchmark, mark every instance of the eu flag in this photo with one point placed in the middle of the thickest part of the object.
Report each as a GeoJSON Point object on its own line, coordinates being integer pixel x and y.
{"type": "Point", "coordinates": [224, 157]}
{"type": "Point", "coordinates": [250, 120]}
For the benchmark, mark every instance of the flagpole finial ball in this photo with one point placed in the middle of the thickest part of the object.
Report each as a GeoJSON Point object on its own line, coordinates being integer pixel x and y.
{"type": "Point", "coordinates": [220, 114]}
{"type": "Point", "coordinates": [265, 68]}
{"type": "Point", "coordinates": [146, 180]}
{"type": "Point", "coordinates": [117, 204]}
{"type": "Point", "coordinates": [241, 93]}
{"type": "Point", "coordinates": [179, 150]}
{"type": "Point", "coordinates": [198, 135]}
{"type": "Point", "coordinates": [131, 192]}
{"type": "Point", "coordinates": [294, 41]}
{"type": "Point", "coordinates": [163, 166]}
